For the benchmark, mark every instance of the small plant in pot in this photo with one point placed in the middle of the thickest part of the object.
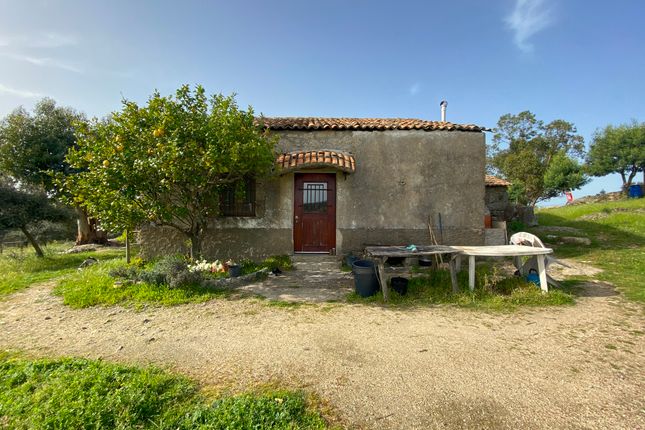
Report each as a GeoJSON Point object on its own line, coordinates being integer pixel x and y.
{"type": "Point", "coordinates": [234, 269]}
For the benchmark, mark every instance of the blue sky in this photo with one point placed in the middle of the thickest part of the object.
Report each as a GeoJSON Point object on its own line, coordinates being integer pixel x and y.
{"type": "Point", "coordinates": [582, 61]}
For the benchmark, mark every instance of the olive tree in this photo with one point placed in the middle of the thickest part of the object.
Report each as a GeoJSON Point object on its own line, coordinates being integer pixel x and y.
{"type": "Point", "coordinates": [21, 209]}
{"type": "Point", "coordinates": [539, 159]}
{"type": "Point", "coordinates": [618, 149]}
{"type": "Point", "coordinates": [32, 150]}
{"type": "Point", "coordinates": [167, 162]}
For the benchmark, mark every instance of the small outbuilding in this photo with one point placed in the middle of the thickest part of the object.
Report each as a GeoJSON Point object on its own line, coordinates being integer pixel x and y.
{"type": "Point", "coordinates": [496, 197]}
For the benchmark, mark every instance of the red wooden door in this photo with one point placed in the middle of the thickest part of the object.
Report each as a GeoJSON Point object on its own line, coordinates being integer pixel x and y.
{"type": "Point", "coordinates": [314, 223]}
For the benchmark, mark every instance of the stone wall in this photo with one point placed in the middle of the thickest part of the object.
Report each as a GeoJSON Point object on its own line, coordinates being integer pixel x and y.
{"type": "Point", "coordinates": [496, 199]}
{"type": "Point", "coordinates": [403, 181]}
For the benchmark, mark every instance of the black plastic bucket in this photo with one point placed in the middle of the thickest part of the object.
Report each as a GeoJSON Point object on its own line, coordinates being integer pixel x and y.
{"type": "Point", "coordinates": [350, 260]}
{"type": "Point", "coordinates": [365, 280]}
{"type": "Point", "coordinates": [400, 285]}
{"type": "Point", "coordinates": [234, 271]}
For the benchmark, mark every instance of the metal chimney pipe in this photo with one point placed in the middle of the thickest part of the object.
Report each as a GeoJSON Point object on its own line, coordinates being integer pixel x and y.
{"type": "Point", "coordinates": [443, 105]}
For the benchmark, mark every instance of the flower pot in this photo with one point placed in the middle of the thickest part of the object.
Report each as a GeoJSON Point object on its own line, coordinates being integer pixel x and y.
{"type": "Point", "coordinates": [234, 271]}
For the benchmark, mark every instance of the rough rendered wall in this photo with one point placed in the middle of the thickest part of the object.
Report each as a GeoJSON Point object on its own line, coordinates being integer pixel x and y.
{"type": "Point", "coordinates": [496, 199]}
{"type": "Point", "coordinates": [403, 179]}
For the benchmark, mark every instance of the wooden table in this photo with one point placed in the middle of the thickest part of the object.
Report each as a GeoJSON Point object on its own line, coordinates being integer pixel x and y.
{"type": "Point", "coordinates": [382, 253]}
{"type": "Point", "coordinates": [504, 251]}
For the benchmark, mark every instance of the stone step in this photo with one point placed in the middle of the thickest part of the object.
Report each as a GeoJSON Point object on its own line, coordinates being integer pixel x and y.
{"type": "Point", "coordinates": [315, 258]}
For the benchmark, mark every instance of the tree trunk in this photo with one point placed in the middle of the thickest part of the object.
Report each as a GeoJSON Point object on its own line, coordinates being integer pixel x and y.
{"type": "Point", "coordinates": [195, 246]}
{"type": "Point", "coordinates": [32, 240]}
{"type": "Point", "coordinates": [88, 231]}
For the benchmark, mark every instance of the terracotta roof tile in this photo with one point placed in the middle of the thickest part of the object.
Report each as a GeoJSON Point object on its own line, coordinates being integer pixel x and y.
{"type": "Point", "coordinates": [494, 181]}
{"type": "Point", "coordinates": [312, 159]}
{"type": "Point", "coordinates": [366, 124]}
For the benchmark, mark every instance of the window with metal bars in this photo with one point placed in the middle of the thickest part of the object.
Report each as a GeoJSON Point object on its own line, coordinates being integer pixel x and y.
{"type": "Point", "coordinates": [238, 199]}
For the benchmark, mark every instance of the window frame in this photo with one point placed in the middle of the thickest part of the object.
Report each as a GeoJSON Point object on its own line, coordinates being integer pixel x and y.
{"type": "Point", "coordinates": [232, 205]}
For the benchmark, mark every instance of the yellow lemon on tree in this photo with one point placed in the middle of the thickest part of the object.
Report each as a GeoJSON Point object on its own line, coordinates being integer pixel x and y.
{"type": "Point", "coordinates": [158, 132]}
{"type": "Point", "coordinates": [106, 163]}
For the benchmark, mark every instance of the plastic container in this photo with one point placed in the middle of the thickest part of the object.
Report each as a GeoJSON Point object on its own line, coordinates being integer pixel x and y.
{"type": "Point", "coordinates": [350, 260]}
{"type": "Point", "coordinates": [234, 271]}
{"type": "Point", "coordinates": [533, 277]}
{"type": "Point", "coordinates": [365, 280]}
{"type": "Point", "coordinates": [635, 191]}
{"type": "Point", "coordinates": [425, 261]}
{"type": "Point", "coordinates": [400, 285]}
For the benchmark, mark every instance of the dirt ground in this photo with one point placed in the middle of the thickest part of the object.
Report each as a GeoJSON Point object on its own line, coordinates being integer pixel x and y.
{"type": "Point", "coordinates": [440, 367]}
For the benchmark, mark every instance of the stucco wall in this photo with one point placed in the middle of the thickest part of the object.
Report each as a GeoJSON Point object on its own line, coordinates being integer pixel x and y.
{"type": "Point", "coordinates": [496, 199]}
{"type": "Point", "coordinates": [403, 179]}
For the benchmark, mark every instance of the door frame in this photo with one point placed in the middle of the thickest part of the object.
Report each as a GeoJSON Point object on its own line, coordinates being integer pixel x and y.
{"type": "Point", "coordinates": [298, 179]}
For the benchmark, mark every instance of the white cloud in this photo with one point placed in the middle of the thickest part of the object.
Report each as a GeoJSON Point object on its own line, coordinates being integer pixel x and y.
{"type": "Point", "coordinates": [43, 62]}
{"type": "Point", "coordinates": [39, 40]}
{"type": "Point", "coordinates": [51, 40]}
{"type": "Point", "coordinates": [528, 18]}
{"type": "Point", "coordinates": [414, 89]}
{"type": "Point", "coordinates": [20, 93]}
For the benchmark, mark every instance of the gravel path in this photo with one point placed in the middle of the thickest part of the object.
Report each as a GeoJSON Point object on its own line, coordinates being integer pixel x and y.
{"type": "Point", "coordinates": [440, 367]}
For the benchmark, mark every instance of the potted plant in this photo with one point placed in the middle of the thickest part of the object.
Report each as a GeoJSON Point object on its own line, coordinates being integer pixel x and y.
{"type": "Point", "coordinates": [234, 269]}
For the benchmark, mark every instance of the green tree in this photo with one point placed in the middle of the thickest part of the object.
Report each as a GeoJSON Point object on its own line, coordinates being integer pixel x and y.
{"type": "Point", "coordinates": [33, 147]}
{"type": "Point", "coordinates": [167, 162]}
{"type": "Point", "coordinates": [618, 149]}
{"type": "Point", "coordinates": [21, 210]}
{"type": "Point", "coordinates": [563, 174]}
{"type": "Point", "coordinates": [527, 152]}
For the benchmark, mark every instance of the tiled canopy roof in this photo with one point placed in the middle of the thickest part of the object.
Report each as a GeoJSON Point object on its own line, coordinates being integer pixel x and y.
{"type": "Point", "coordinates": [367, 124]}
{"type": "Point", "coordinates": [312, 159]}
{"type": "Point", "coordinates": [494, 181]}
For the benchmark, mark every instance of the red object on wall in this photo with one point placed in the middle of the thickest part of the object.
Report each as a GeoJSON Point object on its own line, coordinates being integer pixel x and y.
{"type": "Point", "coordinates": [488, 221]}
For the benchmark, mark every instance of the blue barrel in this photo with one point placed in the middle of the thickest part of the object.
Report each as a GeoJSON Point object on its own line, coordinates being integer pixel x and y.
{"type": "Point", "coordinates": [365, 280]}
{"type": "Point", "coordinates": [635, 191]}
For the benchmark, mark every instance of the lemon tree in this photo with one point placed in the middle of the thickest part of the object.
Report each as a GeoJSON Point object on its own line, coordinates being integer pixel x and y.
{"type": "Point", "coordinates": [166, 162]}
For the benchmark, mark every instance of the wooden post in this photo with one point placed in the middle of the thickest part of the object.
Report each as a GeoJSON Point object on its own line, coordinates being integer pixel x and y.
{"type": "Point", "coordinates": [471, 272]}
{"type": "Point", "coordinates": [127, 247]}
{"type": "Point", "coordinates": [453, 274]}
{"type": "Point", "coordinates": [382, 279]}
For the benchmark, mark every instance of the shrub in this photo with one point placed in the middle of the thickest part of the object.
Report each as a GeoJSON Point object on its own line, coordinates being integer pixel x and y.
{"type": "Point", "coordinates": [125, 272]}
{"type": "Point", "coordinates": [184, 278]}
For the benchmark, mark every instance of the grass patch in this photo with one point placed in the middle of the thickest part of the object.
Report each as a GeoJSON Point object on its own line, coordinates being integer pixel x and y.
{"type": "Point", "coordinates": [78, 393]}
{"type": "Point", "coordinates": [492, 292]}
{"type": "Point", "coordinates": [94, 286]}
{"type": "Point", "coordinates": [21, 268]}
{"type": "Point", "coordinates": [281, 262]}
{"type": "Point", "coordinates": [617, 233]}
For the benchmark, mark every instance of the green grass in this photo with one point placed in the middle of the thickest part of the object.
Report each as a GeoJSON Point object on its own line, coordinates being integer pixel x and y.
{"type": "Point", "coordinates": [78, 393]}
{"type": "Point", "coordinates": [492, 292]}
{"type": "Point", "coordinates": [617, 233]}
{"type": "Point", "coordinates": [21, 268]}
{"type": "Point", "coordinates": [94, 286]}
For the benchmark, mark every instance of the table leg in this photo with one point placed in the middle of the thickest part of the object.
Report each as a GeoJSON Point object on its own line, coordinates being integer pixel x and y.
{"type": "Point", "coordinates": [471, 272]}
{"type": "Point", "coordinates": [542, 269]}
{"type": "Point", "coordinates": [453, 274]}
{"type": "Point", "coordinates": [382, 279]}
{"type": "Point", "coordinates": [458, 263]}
